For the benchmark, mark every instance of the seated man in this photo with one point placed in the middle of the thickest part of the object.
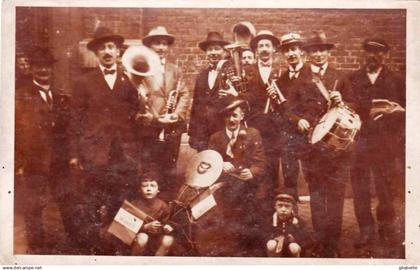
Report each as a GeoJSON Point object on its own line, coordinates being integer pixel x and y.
{"type": "Point", "coordinates": [289, 236]}
{"type": "Point", "coordinates": [154, 230]}
{"type": "Point", "coordinates": [244, 164]}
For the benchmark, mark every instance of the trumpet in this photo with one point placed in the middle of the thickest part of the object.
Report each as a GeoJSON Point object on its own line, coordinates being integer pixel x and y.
{"type": "Point", "coordinates": [278, 99]}
{"type": "Point", "coordinates": [170, 107]}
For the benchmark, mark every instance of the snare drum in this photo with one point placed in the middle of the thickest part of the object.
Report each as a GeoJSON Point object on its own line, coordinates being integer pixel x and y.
{"type": "Point", "coordinates": [337, 129]}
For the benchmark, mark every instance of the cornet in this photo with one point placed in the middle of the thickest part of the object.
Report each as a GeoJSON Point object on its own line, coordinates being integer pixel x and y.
{"type": "Point", "coordinates": [278, 99]}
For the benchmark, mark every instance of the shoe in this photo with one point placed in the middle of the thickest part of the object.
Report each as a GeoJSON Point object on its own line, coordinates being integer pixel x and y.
{"type": "Point", "coordinates": [363, 241]}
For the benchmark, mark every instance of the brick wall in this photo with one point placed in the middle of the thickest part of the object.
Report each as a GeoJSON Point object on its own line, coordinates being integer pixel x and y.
{"type": "Point", "coordinates": [346, 28]}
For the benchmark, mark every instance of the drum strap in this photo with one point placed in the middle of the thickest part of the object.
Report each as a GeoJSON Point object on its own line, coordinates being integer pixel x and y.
{"type": "Point", "coordinates": [321, 88]}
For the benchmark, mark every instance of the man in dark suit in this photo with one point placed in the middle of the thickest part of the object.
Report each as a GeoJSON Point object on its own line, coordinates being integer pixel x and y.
{"type": "Point", "coordinates": [208, 94]}
{"type": "Point", "coordinates": [171, 102]}
{"type": "Point", "coordinates": [324, 169]}
{"type": "Point", "coordinates": [105, 143]}
{"type": "Point", "coordinates": [42, 117]}
{"type": "Point", "coordinates": [243, 169]}
{"type": "Point", "coordinates": [266, 109]}
{"type": "Point", "coordinates": [291, 47]}
{"type": "Point", "coordinates": [381, 142]}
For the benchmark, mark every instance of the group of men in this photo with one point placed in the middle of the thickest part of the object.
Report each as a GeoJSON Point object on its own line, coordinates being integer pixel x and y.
{"type": "Point", "coordinates": [113, 128]}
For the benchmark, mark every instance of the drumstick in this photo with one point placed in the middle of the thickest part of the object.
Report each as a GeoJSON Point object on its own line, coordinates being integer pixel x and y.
{"type": "Point", "coordinates": [335, 85]}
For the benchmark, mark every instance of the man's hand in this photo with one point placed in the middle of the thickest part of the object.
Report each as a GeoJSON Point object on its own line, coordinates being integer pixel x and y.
{"type": "Point", "coordinates": [303, 125]}
{"type": "Point", "coordinates": [228, 167]}
{"type": "Point", "coordinates": [144, 118]}
{"type": "Point", "coordinates": [152, 227]}
{"type": "Point", "coordinates": [75, 164]}
{"type": "Point", "coordinates": [231, 91]}
{"type": "Point", "coordinates": [168, 229]}
{"type": "Point", "coordinates": [336, 98]}
{"type": "Point", "coordinates": [271, 91]}
{"type": "Point", "coordinates": [168, 118]}
{"type": "Point", "coordinates": [20, 171]}
{"type": "Point", "coordinates": [246, 174]}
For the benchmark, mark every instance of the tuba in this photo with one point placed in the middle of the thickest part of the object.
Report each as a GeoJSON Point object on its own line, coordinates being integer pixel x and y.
{"type": "Point", "coordinates": [243, 32]}
{"type": "Point", "coordinates": [143, 69]}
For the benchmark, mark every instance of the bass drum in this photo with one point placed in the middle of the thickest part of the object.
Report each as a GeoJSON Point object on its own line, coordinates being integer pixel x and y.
{"type": "Point", "coordinates": [337, 129]}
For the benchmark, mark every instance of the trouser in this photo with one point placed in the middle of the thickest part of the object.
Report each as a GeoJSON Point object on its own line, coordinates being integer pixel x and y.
{"type": "Point", "coordinates": [290, 167]}
{"type": "Point", "coordinates": [367, 160]}
{"type": "Point", "coordinates": [162, 157]}
{"type": "Point", "coordinates": [105, 188]}
{"type": "Point", "coordinates": [326, 177]}
{"type": "Point", "coordinates": [35, 188]}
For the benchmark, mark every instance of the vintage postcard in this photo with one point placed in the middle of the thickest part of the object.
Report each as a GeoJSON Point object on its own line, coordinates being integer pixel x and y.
{"type": "Point", "coordinates": [212, 132]}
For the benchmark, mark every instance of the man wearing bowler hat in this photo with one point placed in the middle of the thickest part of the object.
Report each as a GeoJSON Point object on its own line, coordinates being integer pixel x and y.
{"type": "Point", "coordinates": [208, 93]}
{"type": "Point", "coordinates": [381, 142]}
{"type": "Point", "coordinates": [324, 169]}
{"type": "Point", "coordinates": [291, 47]}
{"type": "Point", "coordinates": [42, 117]}
{"type": "Point", "coordinates": [171, 101]}
{"type": "Point", "coordinates": [104, 143]}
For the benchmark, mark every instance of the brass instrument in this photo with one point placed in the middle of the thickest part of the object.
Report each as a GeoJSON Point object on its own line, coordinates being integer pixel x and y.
{"type": "Point", "coordinates": [170, 107]}
{"type": "Point", "coordinates": [278, 99]}
{"type": "Point", "coordinates": [243, 32]}
{"type": "Point", "coordinates": [143, 69]}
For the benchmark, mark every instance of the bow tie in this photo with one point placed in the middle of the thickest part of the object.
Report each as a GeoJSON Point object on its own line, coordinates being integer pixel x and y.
{"type": "Point", "coordinates": [109, 71]}
{"type": "Point", "coordinates": [262, 64]}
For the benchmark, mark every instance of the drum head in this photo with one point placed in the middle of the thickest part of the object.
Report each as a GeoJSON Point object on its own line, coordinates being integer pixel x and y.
{"type": "Point", "coordinates": [324, 125]}
{"type": "Point", "coordinates": [204, 169]}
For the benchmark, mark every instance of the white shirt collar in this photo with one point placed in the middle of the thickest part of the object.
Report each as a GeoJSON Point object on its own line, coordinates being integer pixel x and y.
{"type": "Point", "coordinates": [269, 62]}
{"type": "Point", "coordinates": [43, 86]}
{"type": "Point", "coordinates": [297, 68]}
{"type": "Point", "coordinates": [374, 75]}
{"type": "Point", "coordinates": [235, 133]}
{"type": "Point", "coordinates": [113, 67]}
{"type": "Point", "coordinates": [315, 69]}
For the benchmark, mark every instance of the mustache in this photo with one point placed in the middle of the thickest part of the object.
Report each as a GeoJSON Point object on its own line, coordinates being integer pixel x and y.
{"type": "Point", "coordinates": [107, 56]}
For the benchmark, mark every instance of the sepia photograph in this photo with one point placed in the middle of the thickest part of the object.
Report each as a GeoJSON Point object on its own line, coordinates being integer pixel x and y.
{"type": "Point", "coordinates": [208, 131]}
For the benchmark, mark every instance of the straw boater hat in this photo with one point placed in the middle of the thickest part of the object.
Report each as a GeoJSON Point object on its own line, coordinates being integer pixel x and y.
{"type": "Point", "coordinates": [290, 39]}
{"type": "Point", "coordinates": [264, 34]}
{"type": "Point", "coordinates": [212, 38]}
{"type": "Point", "coordinates": [158, 32]}
{"type": "Point", "coordinates": [103, 34]}
{"type": "Point", "coordinates": [41, 55]}
{"type": "Point", "coordinates": [318, 39]}
{"type": "Point", "coordinates": [231, 103]}
{"type": "Point", "coordinates": [375, 44]}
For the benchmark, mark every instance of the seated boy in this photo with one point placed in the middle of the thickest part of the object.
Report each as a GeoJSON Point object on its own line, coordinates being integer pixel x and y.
{"type": "Point", "coordinates": [289, 236]}
{"type": "Point", "coordinates": [154, 230]}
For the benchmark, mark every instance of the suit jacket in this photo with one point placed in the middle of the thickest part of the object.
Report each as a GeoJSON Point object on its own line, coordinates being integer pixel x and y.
{"type": "Point", "coordinates": [248, 151]}
{"type": "Point", "coordinates": [308, 103]}
{"type": "Point", "coordinates": [41, 140]}
{"type": "Point", "coordinates": [102, 119]}
{"type": "Point", "coordinates": [269, 125]}
{"type": "Point", "coordinates": [158, 99]}
{"type": "Point", "coordinates": [205, 118]}
{"type": "Point", "coordinates": [386, 133]}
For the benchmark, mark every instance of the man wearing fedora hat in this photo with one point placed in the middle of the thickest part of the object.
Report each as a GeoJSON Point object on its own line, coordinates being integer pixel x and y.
{"type": "Point", "coordinates": [291, 47]}
{"type": "Point", "coordinates": [104, 143]}
{"type": "Point", "coordinates": [42, 116]}
{"type": "Point", "coordinates": [208, 93]}
{"type": "Point", "coordinates": [379, 145]}
{"type": "Point", "coordinates": [243, 167]}
{"type": "Point", "coordinates": [264, 110]}
{"type": "Point", "coordinates": [165, 138]}
{"type": "Point", "coordinates": [324, 169]}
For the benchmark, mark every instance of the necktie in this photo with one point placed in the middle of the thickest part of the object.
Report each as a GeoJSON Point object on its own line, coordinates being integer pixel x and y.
{"type": "Point", "coordinates": [48, 97]}
{"type": "Point", "coordinates": [109, 71]}
{"type": "Point", "coordinates": [230, 145]}
{"type": "Point", "coordinates": [293, 74]}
